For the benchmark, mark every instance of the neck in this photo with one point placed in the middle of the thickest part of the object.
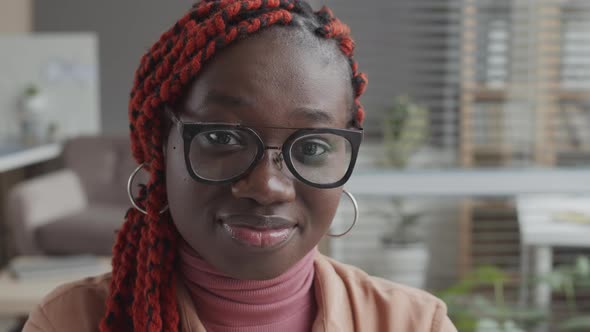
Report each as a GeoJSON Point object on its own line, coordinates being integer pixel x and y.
{"type": "Point", "coordinates": [225, 304]}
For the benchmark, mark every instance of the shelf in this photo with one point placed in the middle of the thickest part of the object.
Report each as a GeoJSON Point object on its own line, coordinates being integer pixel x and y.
{"type": "Point", "coordinates": [574, 95]}
{"type": "Point", "coordinates": [498, 94]}
{"type": "Point", "coordinates": [461, 183]}
{"type": "Point", "coordinates": [488, 94]}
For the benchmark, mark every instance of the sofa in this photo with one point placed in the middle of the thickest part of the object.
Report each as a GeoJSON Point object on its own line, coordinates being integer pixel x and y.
{"type": "Point", "coordinates": [77, 209]}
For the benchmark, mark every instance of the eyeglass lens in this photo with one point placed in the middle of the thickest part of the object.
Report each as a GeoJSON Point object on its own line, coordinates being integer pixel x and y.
{"type": "Point", "coordinates": [217, 155]}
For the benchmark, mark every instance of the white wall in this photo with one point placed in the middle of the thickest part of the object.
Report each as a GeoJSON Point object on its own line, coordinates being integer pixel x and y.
{"type": "Point", "coordinates": [63, 67]}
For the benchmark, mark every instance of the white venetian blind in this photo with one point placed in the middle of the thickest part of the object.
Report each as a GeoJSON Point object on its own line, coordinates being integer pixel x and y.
{"type": "Point", "coordinates": [506, 82]}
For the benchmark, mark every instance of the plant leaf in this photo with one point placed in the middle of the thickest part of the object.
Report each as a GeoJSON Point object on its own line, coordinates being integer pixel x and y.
{"type": "Point", "coordinates": [583, 266]}
{"type": "Point", "coordinates": [580, 323]}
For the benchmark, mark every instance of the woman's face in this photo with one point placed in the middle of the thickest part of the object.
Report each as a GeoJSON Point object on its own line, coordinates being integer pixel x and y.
{"type": "Point", "coordinates": [259, 226]}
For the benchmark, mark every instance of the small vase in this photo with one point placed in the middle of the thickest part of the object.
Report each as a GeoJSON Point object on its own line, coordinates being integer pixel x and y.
{"type": "Point", "coordinates": [34, 105]}
{"type": "Point", "coordinates": [32, 119]}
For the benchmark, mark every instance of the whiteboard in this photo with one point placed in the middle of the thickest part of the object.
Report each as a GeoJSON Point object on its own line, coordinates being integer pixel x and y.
{"type": "Point", "coordinates": [64, 67]}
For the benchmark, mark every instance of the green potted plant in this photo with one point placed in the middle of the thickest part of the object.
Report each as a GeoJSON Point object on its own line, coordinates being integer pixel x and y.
{"type": "Point", "coordinates": [405, 253]}
{"type": "Point", "coordinates": [569, 280]}
{"type": "Point", "coordinates": [405, 130]}
{"type": "Point", "coordinates": [32, 106]}
{"type": "Point", "coordinates": [472, 311]}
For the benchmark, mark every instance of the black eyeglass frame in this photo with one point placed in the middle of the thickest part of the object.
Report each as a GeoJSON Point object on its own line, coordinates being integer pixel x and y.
{"type": "Point", "coordinates": [189, 130]}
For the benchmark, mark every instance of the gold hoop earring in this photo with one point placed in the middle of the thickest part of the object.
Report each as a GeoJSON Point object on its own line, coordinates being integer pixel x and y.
{"type": "Point", "coordinates": [131, 198]}
{"type": "Point", "coordinates": [356, 215]}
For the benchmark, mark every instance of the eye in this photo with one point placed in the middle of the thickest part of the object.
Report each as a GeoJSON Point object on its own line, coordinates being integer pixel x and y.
{"type": "Point", "coordinates": [312, 151]}
{"type": "Point", "coordinates": [315, 147]}
{"type": "Point", "coordinates": [223, 137]}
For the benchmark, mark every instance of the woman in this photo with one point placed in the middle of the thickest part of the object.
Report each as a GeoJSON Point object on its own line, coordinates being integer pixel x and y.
{"type": "Point", "coordinates": [246, 115]}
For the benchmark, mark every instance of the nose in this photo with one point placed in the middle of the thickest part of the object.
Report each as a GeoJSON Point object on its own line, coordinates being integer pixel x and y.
{"type": "Point", "coordinates": [266, 183]}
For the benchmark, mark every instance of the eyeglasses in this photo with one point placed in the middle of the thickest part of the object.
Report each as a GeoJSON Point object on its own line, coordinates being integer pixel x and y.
{"type": "Point", "coordinates": [219, 153]}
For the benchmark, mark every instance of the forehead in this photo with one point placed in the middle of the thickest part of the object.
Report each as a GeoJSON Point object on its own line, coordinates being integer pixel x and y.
{"type": "Point", "coordinates": [275, 78]}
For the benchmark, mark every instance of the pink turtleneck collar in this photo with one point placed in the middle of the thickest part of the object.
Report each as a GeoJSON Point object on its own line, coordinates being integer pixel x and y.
{"type": "Point", "coordinates": [226, 304]}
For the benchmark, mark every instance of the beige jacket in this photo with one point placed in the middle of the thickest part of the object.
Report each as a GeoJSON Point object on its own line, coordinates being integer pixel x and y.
{"type": "Point", "coordinates": [348, 300]}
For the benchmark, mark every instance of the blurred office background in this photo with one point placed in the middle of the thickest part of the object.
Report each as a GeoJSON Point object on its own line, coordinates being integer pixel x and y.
{"type": "Point", "coordinates": [473, 181]}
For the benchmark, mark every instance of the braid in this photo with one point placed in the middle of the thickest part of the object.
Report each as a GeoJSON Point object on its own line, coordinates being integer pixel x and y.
{"type": "Point", "coordinates": [142, 290]}
{"type": "Point", "coordinates": [332, 28]}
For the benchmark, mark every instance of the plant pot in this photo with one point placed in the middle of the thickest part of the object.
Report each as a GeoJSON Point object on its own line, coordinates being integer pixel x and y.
{"type": "Point", "coordinates": [406, 264]}
{"type": "Point", "coordinates": [32, 116]}
{"type": "Point", "coordinates": [34, 105]}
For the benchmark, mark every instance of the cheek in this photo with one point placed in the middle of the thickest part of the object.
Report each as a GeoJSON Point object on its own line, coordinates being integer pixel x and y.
{"type": "Point", "coordinates": [321, 205]}
{"type": "Point", "coordinates": [185, 196]}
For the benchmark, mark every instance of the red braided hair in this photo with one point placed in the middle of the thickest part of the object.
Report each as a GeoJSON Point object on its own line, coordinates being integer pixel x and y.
{"type": "Point", "coordinates": [142, 290]}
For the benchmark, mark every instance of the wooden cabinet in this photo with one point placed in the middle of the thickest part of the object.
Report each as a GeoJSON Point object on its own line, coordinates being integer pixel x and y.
{"type": "Point", "coordinates": [524, 102]}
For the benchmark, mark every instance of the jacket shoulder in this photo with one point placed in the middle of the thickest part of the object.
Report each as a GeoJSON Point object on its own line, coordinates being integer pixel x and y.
{"type": "Point", "coordinates": [393, 306]}
{"type": "Point", "coordinates": [75, 306]}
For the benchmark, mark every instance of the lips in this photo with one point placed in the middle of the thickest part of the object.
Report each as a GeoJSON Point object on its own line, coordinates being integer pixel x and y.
{"type": "Point", "coordinates": [259, 231]}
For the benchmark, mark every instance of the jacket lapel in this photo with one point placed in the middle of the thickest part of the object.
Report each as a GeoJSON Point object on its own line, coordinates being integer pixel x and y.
{"type": "Point", "coordinates": [334, 310]}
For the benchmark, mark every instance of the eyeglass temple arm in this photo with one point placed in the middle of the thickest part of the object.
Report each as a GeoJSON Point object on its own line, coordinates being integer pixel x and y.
{"type": "Point", "coordinates": [175, 119]}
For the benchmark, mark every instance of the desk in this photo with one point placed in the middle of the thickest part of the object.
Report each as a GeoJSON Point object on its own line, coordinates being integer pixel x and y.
{"type": "Point", "coordinates": [14, 157]}
{"type": "Point", "coordinates": [15, 162]}
{"type": "Point", "coordinates": [540, 233]}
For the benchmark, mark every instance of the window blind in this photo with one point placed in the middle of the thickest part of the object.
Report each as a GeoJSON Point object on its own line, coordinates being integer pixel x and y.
{"type": "Point", "coordinates": [506, 82]}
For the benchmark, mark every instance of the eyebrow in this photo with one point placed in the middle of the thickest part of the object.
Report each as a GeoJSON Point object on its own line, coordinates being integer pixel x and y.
{"type": "Point", "coordinates": [221, 99]}
{"type": "Point", "coordinates": [234, 101]}
{"type": "Point", "coordinates": [314, 114]}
